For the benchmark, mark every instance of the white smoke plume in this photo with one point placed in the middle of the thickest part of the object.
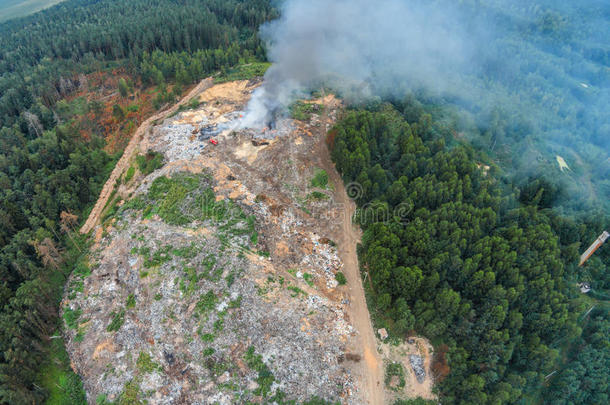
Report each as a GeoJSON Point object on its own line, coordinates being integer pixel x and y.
{"type": "Point", "coordinates": [349, 44]}
{"type": "Point", "coordinates": [529, 77]}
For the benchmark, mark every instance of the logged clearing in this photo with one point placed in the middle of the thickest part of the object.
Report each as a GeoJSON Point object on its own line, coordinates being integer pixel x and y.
{"type": "Point", "coordinates": [213, 277]}
{"type": "Point", "coordinates": [133, 146]}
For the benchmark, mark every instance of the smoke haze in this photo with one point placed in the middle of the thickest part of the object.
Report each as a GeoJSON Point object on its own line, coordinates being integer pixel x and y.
{"type": "Point", "coordinates": [532, 77]}
{"type": "Point", "coordinates": [351, 44]}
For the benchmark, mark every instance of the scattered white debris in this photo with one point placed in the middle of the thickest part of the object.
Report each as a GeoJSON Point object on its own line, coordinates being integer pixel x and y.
{"type": "Point", "coordinates": [222, 306]}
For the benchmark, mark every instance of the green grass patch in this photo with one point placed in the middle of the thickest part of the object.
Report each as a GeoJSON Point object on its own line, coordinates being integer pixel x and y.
{"type": "Point", "coordinates": [149, 162]}
{"type": "Point", "coordinates": [80, 335]}
{"type": "Point", "coordinates": [340, 277]}
{"type": "Point", "coordinates": [145, 364]}
{"type": "Point", "coordinates": [191, 105]}
{"type": "Point", "coordinates": [415, 401]}
{"type": "Point", "coordinates": [308, 279]}
{"type": "Point", "coordinates": [71, 317]}
{"type": "Point", "coordinates": [205, 337]}
{"type": "Point", "coordinates": [320, 179]}
{"type": "Point", "coordinates": [102, 399]}
{"type": "Point", "coordinates": [230, 279]}
{"type": "Point", "coordinates": [243, 72]}
{"type": "Point", "coordinates": [133, 108]}
{"type": "Point", "coordinates": [129, 174]}
{"type": "Point", "coordinates": [265, 377]}
{"type": "Point", "coordinates": [185, 198]}
{"type": "Point", "coordinates": [131, 301]}
{"type": "Point", "coordinates": [111, 207]}
{"type": "Point", "coordinates": [207, 302]}
{"type": "Point", "coordinates": [62, 385]}
{"type": "Point", "coordinates": [296, 291]}
{"type": "Point", "coordinates": [82, 268]}
{"type": "Point", "coordinates": [219, 325]}
{"type": "Point", "coordinates": [55, 377]}
{"type": "Point", "coordinates": [395, 376]}
{"type": "Point", "coordinates": [236, 303]}
{"type": "Point", "coordinates": [189, 284]}
{"type": "Point", "coordinates": [302, 111]}
{"type": "Point", "coordinates": [317, 196]}
{"type": "Point", "coordinates": [130, 393]}
{"type": "Point", "coordinates": [161, 256]}
{"type": "Point", "coordinates": [118, 318]}
{"type": "Point", "coordinates": [187, 252]}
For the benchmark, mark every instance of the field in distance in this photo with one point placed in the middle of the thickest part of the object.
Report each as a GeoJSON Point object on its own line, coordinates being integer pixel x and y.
{"type": "Point", "coordinates": [19, 8]}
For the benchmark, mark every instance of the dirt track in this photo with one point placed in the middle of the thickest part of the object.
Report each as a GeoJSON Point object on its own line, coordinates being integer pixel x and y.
{"type": "Point", "coordinates": [124, 162]}
{"type": "Point", "coordinates": [371, 366]}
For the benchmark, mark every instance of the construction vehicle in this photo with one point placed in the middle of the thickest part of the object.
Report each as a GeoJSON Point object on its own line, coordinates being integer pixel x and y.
{"type": "Point", "coordinates": [589, 252]}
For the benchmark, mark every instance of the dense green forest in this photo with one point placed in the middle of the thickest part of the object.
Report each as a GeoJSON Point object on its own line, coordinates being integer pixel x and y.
{"type": "Point", "coordinates": [536, 85]}
{"type": "Point", "coordinates": [50, 175]}
{"type": "Point", "coordinates": [585, 379]}
{"type": "Point", "coordinates": [480, 261]}
{"type": "Point", "coordinates": [484, 261]}
{"type": "Point", "coordinates": [41, 55]}
{"type": "Point", "coordinates": [453, 250]}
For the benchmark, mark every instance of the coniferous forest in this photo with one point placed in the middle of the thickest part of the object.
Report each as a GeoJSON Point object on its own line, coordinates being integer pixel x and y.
{"type": "Point", "coordinates": [50, 174]}
{"type": "Point", "coordinates": [487, 271]}
{"type": "Point", "coordinates": [455, 247]}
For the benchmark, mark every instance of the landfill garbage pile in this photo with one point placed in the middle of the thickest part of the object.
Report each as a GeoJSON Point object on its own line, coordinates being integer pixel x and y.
{"type": "Point", "coordinates": [213, 278]}
{"type": "Point", "coordinates": [417, 363]}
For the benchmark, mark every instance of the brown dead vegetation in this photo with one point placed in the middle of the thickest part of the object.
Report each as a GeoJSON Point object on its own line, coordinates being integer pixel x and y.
{"type": "Point", "coordinates": [440, 367]}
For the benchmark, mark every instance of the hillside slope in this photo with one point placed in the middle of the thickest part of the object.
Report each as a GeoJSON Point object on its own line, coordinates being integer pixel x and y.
{"type": "Point", "coordinates": [213, 277]}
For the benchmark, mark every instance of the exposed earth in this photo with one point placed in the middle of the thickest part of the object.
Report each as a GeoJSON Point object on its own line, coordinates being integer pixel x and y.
{"type": "Point", "coordinates": [213, 279]}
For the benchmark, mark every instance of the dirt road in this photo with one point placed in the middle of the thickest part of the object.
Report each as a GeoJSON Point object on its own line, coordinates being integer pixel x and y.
{"type": "Point", "coordinates": [124, 161]}
{"type": "Point", "coordinates": [372, 386]}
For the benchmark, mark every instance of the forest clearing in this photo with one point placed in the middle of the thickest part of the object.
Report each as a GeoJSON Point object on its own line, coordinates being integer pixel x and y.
{"type": "Point", "coordinates": [293, 229]}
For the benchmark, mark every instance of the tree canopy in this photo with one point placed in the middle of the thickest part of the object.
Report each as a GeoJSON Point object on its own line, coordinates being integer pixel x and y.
{"type": "Point", "coordinates": [49, 172]}
{"type": "Point", "coordinates": [458, 256]}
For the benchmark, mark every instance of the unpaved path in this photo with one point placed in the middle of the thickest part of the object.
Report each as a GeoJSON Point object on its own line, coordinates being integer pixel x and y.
{"type": "Point", "coordinates": [124, 161]}
{"type": "Point", "coordinates": [371, 367]}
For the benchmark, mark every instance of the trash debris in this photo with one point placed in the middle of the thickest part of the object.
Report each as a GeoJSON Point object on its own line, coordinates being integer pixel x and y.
{"type": "Point", "coordinates": [209, 131]}
{"type": "Point", "coordinates": [383, 333]}
{"type": "Point", "coordinates": [259, 142]}
{"type": "Point", "coordinates": [209, 297]}
{"type": "Point", "coordinates": [417, 363]}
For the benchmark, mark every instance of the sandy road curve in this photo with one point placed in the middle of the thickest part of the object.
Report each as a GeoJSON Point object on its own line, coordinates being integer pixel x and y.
{"type": "Point", "coordinates": [124, 161]}
{"type": "Point", "coordinates": [371, 364]}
